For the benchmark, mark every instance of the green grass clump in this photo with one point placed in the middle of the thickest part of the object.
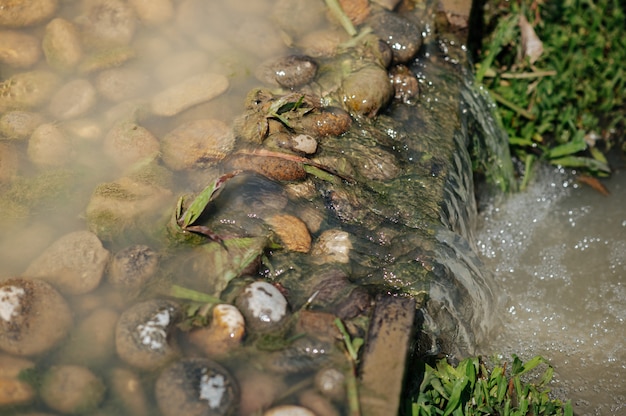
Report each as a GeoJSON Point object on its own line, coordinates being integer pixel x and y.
{"type": "Point", "coordinates": [567, 107]}
{"type": "Point", "coordinates": [471, 389]}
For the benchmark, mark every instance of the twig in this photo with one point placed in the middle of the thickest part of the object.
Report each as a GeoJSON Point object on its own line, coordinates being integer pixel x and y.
{"type": "Point", "coordinates": [337, 11]}
{"type": "Point", "coordinates": [512, 106]}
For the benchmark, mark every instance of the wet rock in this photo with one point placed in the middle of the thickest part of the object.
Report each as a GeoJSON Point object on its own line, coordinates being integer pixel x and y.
{"type": "Point", "coordinates": [85, 129]}
{"type": "Point", "coordinates": [376, 164]}
{"type": "Point", "coordinates": [110, 56]}
{"type": "Point", "coordinates": [9, 162]}
{"type": "Point", "coordinates": [405, 84]}
{"type": "Point", "coordinates": [322, 43]}
{"type": "Point", "coordinates": [387, 4]}
{"type": "Point", "coordinates": [298, 17]}
{"type": "Point", "coordinates": [317, 403]}
{"type": "Point", "coordinates": [19, 50]}
{"type": "Point", "coordinates": [263, 306]}
{"type": "Point", "coordinates": [317, 323]}
{"type": "Point", "coordinates": [121, 84]}
{"type": "Point", "coordinates": [153, 12]}
{"type": "Point", "coordinates": [258, 390]}
{"type": "Point", "coordinates": [107, 22]}
{"type": "Point", "coordinates": [192, 91]}
{"type": "Point", "coordinates": [331, 383]}
{"type": "Point", "coordinates": [72, 389]}
{"type": "Point", "coordinates": [292, 232]}
{"type": "Point", "coordinates": [143, 334]}
{"type": "Point", "coordinates": [273, 167]}
{"type": "Point", "coordinates": [303, 355]}
{"type": "Point", "coordinates": [327, 121]}
{"type": "Point", "coordinates": [288, 410]}
{"type": "Point", "coordinates": [62, 45]}
{"type": "Point", "coordinates": [126, 388]}
{"type": "Point", "coordinates": [16, 14]}
{"type": "Point", "coordinates": [128, 143]}
{"type": "Point", "coordinates": [50, 146]}
{"type": "Point", "coordinates": [33, 316]}
{"type": "Point", "coordinates": [74, 263]}
{"type": "Point", "coordinates": [132, 267]}
{"type": "Point", "coordinates": [403, 36]}
{"type": "Point", "coordinates": [73, 99]}
{"type": "Point", "coordinates": [224, 333]}
{"type": "Point", "coordinates": [289, 71]}
{"type": "Point", "coordinates": [332, 246]}
{"type": "Point", "coordinates": [196, 387]}
{"type": "Point", "coordinates": [27, 90]}
{"type": "Point", "coordinates": [356, 10]}
{"type": "Point", "coordinates": [303, 143]}
{"type": "Point", "coordinates": [366, 91]}
{"type": "Point", "coordinates": [197, 144]}
{"type": "Point", "coordinates": [19, 125]}
{"type": "Point", "coordinates": [14, 391]}
{"type": "Point", "coordinates": [92, 342]}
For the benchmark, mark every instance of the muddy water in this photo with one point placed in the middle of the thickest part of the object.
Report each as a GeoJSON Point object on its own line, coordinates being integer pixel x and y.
{"type": "Point", "coordinates": [559, 253]}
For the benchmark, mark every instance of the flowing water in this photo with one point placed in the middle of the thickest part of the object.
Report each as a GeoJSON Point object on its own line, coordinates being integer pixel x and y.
{"type": "Point", "coordinates": [558, 251]}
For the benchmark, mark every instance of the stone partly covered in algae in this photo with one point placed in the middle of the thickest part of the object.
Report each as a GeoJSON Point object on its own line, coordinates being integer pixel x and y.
{"type": "Point", "coordinates": [128, 142]}
{"type": "Point", "coordinates": [9, 162]}
{"type": "Point", "coordinates": [74, 263]}
{"type": "Point", "coordinates": [121, 84]}
{"type": "Point", "coordinates": [19, 125]}
{"type": "Point", "coordinates": [132, 267]}
{"type": "Point", "coordinates": [19, 50]}
{"type": "Point", "coordinates": [72, 389]}
{"type": "Point", "coordinates": [106, 22]}
{"type": "Point", "coordinates": [27, 90]}
{"type": "Point", "coordinates": [402, 35]}
{"type": "Point", "coordinates": [292, 232]}
{"type": "Point", "coordinates": [62, 45]}
{"type": "Point", "coordinates": [332, 246]}
{"type": "Point", "coordinates": [14, 391]}
{"type": "Point", "coordinates": [153, 12]}
{"type": "Point", "coordinates": [192, 91]}
{"type": "Point", "coordinates": [143, 333]}
{"type": "Point", "coordinates": [290, 71]}
{"type": "Point", "coordinates": [197, 144]}
{"type": "Point", "coordinates": [34, 317]}
{"type": "Point", "coordinates": [19, 13]}
{"type": "Point", "coordinates": [366, 91]}
{"type": "Point", "coordinates": [263, 306]}
{"type": "Point", "coordinates": [196, 387]}
{"type": "Point", "coordinates": [131, 203]}
{"type": "Point", "coordinates": [224, 333]}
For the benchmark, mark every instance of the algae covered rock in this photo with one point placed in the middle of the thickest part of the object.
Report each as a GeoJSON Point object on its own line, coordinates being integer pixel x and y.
{"type": "Point", "coordinates": [71, 389]}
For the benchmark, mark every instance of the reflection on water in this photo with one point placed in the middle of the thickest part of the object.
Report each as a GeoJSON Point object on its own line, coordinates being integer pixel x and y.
{"type": "Point", "coordinates": [559, 252]}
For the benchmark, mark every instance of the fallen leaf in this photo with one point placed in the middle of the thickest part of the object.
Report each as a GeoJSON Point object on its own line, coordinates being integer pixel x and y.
{"type": "Point", "coordinates": [594, 183]}
{"type": "Point", "coordinates": [531, 44]}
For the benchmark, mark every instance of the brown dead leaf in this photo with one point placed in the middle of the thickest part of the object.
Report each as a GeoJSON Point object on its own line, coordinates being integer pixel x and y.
{"type": "Point", "coordinates": [594, 183]}
{"type": "Point", "coordinates": [532, 46]}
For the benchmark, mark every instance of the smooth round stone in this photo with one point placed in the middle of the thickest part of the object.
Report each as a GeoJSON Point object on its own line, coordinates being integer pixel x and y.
{"type": "Point", "coordinates": [225, 331]}
{"type": "Point", "coordinates": [403, 36]}
{"type": "Point", "coordinates": [121, 84]}
{"type": "Point", "coordinates": [34, 317]}
{"type": "Point", "coordinates": [126, 388]}
{"type": "Point", "coordinates": [180, 66]}
{"type": "Point", "coordinates": [19, 50]}
{"type": "Point", "coordinates": [196, 387]}
{"type": "Point", "coordinates": [107, 21]}
{"type": "Point", "coordinates": [153, 12]}
{"type": "Point", "coordinates": [289, 71]}
{"type": "Point", "coordinates": [194, 90]}
{"type": "Point", "coordinates": [332, 246]}
{"type": "Point", "coordinates": [49, 146]}
{"type": "Point", "coordinates": [142, 334]}
{"type": "Point", "coordinates": [366, 91]}
{"type": "Point", "coordinates": [331, 383]}
{"type": "Point", "coordinates": [128, 143]}
{"type": "Point", "coordinates": [197, 144]}
{"type": "Point", "coordinates": [62, 45]}
{"type": "Point", "coordinates": [74, 263]}
{"type": "Point", "coordinates": [87, 129]}
{"type": "Point", "coordinates": [132, 267]}
{"type": "Point", "coordinates": [263, 306]}
{"type": "Point", "coordinates": [19, 125]}
{"type": "Point", "coordinates": [72, 389]}
{"type": "Point", "coordinates": [14, 391]}
{"type": "Point", "coordinates": [298, 17]}
{"type": "Point", "coordinates": [22, 13]}
{"type": "Point", "coordinates": [259, 389]}
{"type": "Point", "coordinates": [73, 99]}
{"type": "Point", "coordinates": [304, 143]}
{"type": "Point", "coordinates": [292, 232]}
{"type": "Point", "coordinates": [288, 410]}
{"type": "Point", "coordinates": [93, 340]}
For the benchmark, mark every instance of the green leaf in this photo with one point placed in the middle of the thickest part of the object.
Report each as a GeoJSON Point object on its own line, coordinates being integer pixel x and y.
{"type": "Point", "coordinates": [584, 162]}
{"type": "Point", "coordinates": [455, 397]}
{"type": "Point", "coordinates": [181, 292]}
{"type": "Point", "coordinates": [197, 207]}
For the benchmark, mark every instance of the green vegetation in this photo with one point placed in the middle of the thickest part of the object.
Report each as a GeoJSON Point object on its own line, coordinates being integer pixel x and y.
{"type": "Point", "coordinates": [564, 105]}
{"type": "Point", "coordinates": [471, 389]}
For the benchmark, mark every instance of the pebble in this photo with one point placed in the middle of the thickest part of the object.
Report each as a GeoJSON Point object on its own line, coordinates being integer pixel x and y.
{"type": "Point", "coordinates": [259, 389]}
{"type": "Point", "coordinates": [225, 331]}
{"type": "Point", "coordinates": [288, 410]}
{"type": "Point", "coordinates": [181, 65]}
{"type": "Point", "coordinates": [14, 391]}
{"type": "Point", "coordinates": [153, 12]}
{"type": "Point", "coordinates": [50, 146]}
{"type": "Point", "coordinates": [126, 388]}
{"type": "Point", "coordinates": [9, 162]}
{"type": "Point", "coordinates": [292, 232]}
{"type": "Point", "coordinates": [122, 84]}
{"type": "Point", "coordinates": [366, 91]}
{"type": "Point", "coordinates": [62, 45]}
{"type": "Point", "coordinates": [72, 389]}
{"type": "Point", "coordinates": [22, 13]}
{"type": "Point", "coordinates": [143, 334]}
{"type": "Point", "coordinates": [19, 50]}
{"type": "Point", "coordinates": [290, 71]}
{"type": "Point", "coordinates": [34, 317]}
{"type": "Point", "coordinates": [106, 22]}
{"type": "Point", "coordinates": [73, 99]}
{"type": "Point", "coordinates": [19, 125]}
{"type": "Point", "coordinates": [27, 90]}
{"type": "Point", "coordinates": [192, 91]}
{"type": "Point", "coordinates": [132, 267]}
{"type": "Point", "coordinates": [128, 143]}
{"type": "Point", "coordinates": [197, 144]}
{"type": "Point", "coordinates": [331, 383]}
{"type": "Point", "coordinates": [332, 246]}
{"type": "Point", "coordinates": [74, 263]}
{"type": "Point", "coordinates": [304, 143]}
{"type": "Point", "coordinates": [322, 43]}
{"type": "Point", "coordinates": [196, 387]}
{"type": "Point", "coordinates": [403, 36]}
{"type": "Point", "coordinates": [263, 306]}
